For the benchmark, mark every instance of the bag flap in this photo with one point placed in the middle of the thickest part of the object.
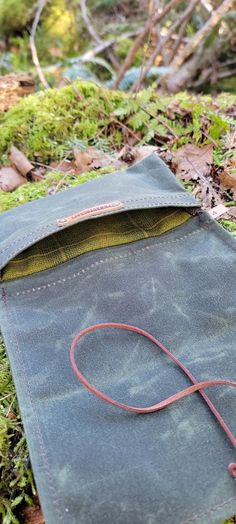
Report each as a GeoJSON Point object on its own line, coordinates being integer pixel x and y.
{"type": "Point", "coordinates": [147, 184]}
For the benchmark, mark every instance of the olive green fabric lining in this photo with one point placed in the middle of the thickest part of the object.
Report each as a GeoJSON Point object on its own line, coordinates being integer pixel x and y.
{"type": "Point", "coordinates": [88, 236]}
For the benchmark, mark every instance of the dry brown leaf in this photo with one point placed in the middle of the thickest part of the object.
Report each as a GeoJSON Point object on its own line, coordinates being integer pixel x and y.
{"type": "Point", "coordinates": [218, 211]}
{"type": "Point", "coordinates": [206, 194]}
{"type": "Point", "coordinates": [131, 155]}
{"type": "Point", "coordinates": [139, 153]}
{"type": "Point", "coordinates": [193, 162]}
{"type": "Point", "coordinates": [83, 159]}
{"type": "Point", "coordinates": [37, 174]}
{"type": "Point", "coordinates": [32, 515]}
{"type": "Point", "coordinates": [94, 159]}
{"type": "Point", "coordinates": [231, 212]}
{"type": "Point", "coordinates": [222, 211]}
{"type": "Point", "coordinates": [20, 161]}
{"type": "Point", "coordinates": [10, 179]}
{"type": "Point", "coordinates": [174, 108]}
{"type": "Point", "coordinates": [228, 180]}
{"type": "Point", "coordinates": [230, 141]}
{"type": "Point", "coordinates": [65, 166]}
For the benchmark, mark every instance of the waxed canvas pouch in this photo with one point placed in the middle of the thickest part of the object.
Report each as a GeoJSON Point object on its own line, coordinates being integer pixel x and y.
{"type": "Point", "coordinates": [134, 248]}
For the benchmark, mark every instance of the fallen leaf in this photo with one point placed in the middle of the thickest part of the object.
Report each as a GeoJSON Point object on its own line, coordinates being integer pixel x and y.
{"type": "Point", "coordinates": [32, 515]}
{"type": "Point", "coordinates": [206, 194]}
{"type": "Point", "coordinates": [20, 161]}
{"type": "Point", "coordinates": [218, 211]}
{"type": "Point", "coordinates": [65, 166]}
{"type": "Point", "coordinates": [83, 159]}
{"type": "Point", "coordinates": [228, 180]}
{"type": "Point", "coordinates": [94, 159]}
{"type": "Point", "coordinates": [222, 211]}
{"type": "Point", "coordinates": [231, 212]}
{"type": "Point", "coordinates": [230, 141]}
{"type": "Point", "coordinates": [139, 153]}
{"type": "Point", "coordinates": [125, 154]}
{"type": "Point", "coordinates": [193, 162]}
{"type": "Point", "coordinates": [11, 415]}
{"type": "Point", "coordinates": [174, 108]}
{"type": "Point", "coordinates": [37, 174]}
{"type": "Point", "coordinates": [10, 179]}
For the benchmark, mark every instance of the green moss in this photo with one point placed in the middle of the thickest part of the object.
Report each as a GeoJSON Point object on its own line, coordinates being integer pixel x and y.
{"type": "Point", "coordinates": [54, 181]}
{"type": "Point", "coordinates": [14, 15]}
{"type": "Point", "coordinates": [16, 479]}
{"type": "Point", "coordinates": [57, 31]}
{"type": "Point", "coordinates": [229, 225]}
{"type": "Point", "coordinates": [41, 124]}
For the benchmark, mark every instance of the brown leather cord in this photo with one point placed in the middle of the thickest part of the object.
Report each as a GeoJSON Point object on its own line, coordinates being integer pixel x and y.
{"type": "Point", "coordinates": [197, 386]}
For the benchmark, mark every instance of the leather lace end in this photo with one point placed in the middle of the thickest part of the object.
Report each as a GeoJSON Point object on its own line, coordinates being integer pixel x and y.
{"type": "Point", "coordinates": [232, 469]}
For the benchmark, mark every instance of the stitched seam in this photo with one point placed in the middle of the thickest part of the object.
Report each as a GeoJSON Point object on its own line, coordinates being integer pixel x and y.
{"type": "Point", "coordinates": [14, 252]}
{"type": "Point", "coordinates": [52, 224]}
{"type": "Point", "coordinates": [159, 197]}
{"type": "Point", "coordinates": [42, 447]}
{"type": "Point", "coordinates": [44, 228]}
{"type": "Point", "coordinates": [102, 261]}
{"type": "Point", "coordinates": [210, 510]}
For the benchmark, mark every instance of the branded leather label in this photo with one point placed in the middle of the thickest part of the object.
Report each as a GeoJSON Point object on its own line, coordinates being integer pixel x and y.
{"type": "Point", "coordinates": [101, 209]}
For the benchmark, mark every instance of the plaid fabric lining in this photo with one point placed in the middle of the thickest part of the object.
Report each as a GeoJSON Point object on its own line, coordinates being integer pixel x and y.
{"type": "Point", "coordinates": [88, 236]}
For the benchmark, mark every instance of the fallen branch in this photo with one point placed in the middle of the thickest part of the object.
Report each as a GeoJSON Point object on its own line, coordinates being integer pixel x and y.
{"type": "Point", "coordinates": [151, 22]}
{"type": "Point", "coordinates": [104, 45]}
{"type": "Point", "coordinates": [40, 7]}
{"type": "Point", "coordinates": [178, 40]}
{"type": "Point", "coordinates": [156, 6]}
{"type": "Point", "coordinates": [184, 75]}
{"type": "Point", "coordinates": [185, 16]}
{"type": "Point", "coordinates": [201, 34]}
{"type": "Point", "coordinates": [96, 37]}
{"type": "Point", "coordinates": [88, 23]}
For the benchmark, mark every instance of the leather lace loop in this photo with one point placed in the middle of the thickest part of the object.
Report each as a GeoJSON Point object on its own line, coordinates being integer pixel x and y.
{"type": "Point", "coordinates": [197, 386]}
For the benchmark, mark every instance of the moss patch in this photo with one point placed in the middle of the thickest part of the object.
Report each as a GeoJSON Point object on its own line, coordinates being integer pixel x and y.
{"type": "Point", "coordinates": [34, 191]}
{"type": "Point", "coordinates": [14, 15]}
{"type": "Point", "coordinates": [44, 125]}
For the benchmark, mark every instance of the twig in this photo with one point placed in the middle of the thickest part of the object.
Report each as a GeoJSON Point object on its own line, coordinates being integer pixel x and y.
{"type": "Point", "coordinates": [11, 404]}
{"type": "Point", "coordinates": [183, 77]}
{"type": "Point", "coordinates": [209, 138]}
{"type": "Point", "coordinates": [178, 40]}
{"type": "Point", "coordinates": [40, 7]}
{"type": "Point", "coordinates": [103, 46]}
{"type": "Point", "coordinates": [96, 37]}
{"type": "Point", "coordinates": [159, 119]}
{"type": "Point", "coordinates": [127, 129]}
{"type": "Point", "coordinates": [88, 23]}
{"type": "Point", "coordinates": [157, 3]}
{"type": "Point", "coordinates": [162, 43]}
{"type": "Point", "coordinates": [144, 59]}
{"type": "Point", "coordinates": [6, 396]}
{"type": "Point", "coordinates": [201, 34]}
{"type": "Point", "coordinates": [151, 22]}
{"type": "Point", "coordinates": [226, 74]}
